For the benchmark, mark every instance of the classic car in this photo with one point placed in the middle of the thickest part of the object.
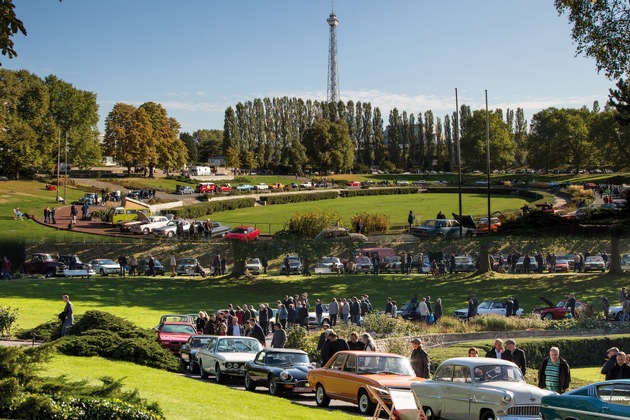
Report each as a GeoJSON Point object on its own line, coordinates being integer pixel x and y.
{"type": "Point", "coordinates": [41, 263]}
{"type": "Point", "coordinates": [625, 262]}
{"type": "Point", "coordinates": [295, 265]}
{"type": "Point", "coordinates": [520, 264]}
{"type": "Point", "coordinates": [570, 258]}
{"type": "Point", "coordinates": [184, 189]}
{"type": "Point", "coordinates": [408, 310]}
{"type": "Point", "coordinates": [188, 351]}
{"type": "Point", "coordinates": [253, 265]}
{"type": "Point", "coordinates": [89, 198]}
{"type": "Point", "coordinates": [441, 228]}
{"type": "Point", "coordinates": [562, 266]}
{"type": "Point", "coordinates": [391, 264]}
{"type": "Point", "coordinates": [341, 233]}
{"type": "Point", "coordinates": [347, 375]}
{"type": "Point", "coordinates": [312, 317]}
{"type": "Point", "coordinates": [557, 311]}
{"type": "Point", "coordinates": [205, 187]}
{"type": "Point", "coordinates": [601, 400]}
{"type": "Point", "coordinates": [105, 267]}
{"type": "Point", "coordinates": [172, 335]}
{"type": "Point", "coordinates": [243, 233]}
{"type": "Point", "coordinates": [276, 186]}
{"type": "Point", "coordinates": [594, 263]}
{"type": "Point", "coordinates": [169, 230]}
{"type": "Point", "coordinates": [329, 265]}
{"type": "Point", "coordinates": [186, 267]}
{"type": "Point", "coordinates": [244, 187]}
{"type": "Point", "coordinates": [307, 184]}
{"type": "Point", "coordinates": [482, 225]}
{"type": "Point", "coordinates": [261, 186]}
{"type": "Point", "coordinates": [144, 270]}
{"type": "Point", "coordinates": [464, 263]}
{"type": "Point", "coordinates": [226, 188]}
{"type": "Point", "coordinates": [280, 370]}
{"type": "Point", "coordinates": [478, 388]}
{"type": "Point", "coordinates": [147, 226]}
{"type": "Point", "coordinates": [615, 312]}
{"type": "Point", "coordinates": [495, 307]}
{"type": "Point", "coordinates": [362, 264]}
{"type": "Point", "coordinates": [141, 218]}
{"type": "Point", "coordinates": [177, 318]}
{"type": "Point", "coordinates": [353, 184]}
{"type": "Point", "coordinates": [225, 357]}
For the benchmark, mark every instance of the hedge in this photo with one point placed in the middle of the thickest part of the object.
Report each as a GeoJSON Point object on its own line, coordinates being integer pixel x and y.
{"type": "Point", "coordinates": [299, 198]}
{"type": "Point", "coordinates": [200, 210]}
{"type": "Point", "coordinates": [380, 191]}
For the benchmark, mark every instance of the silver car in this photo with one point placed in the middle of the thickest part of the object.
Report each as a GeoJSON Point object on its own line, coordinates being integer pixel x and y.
{"type": "Point", "coordinates": [225, 357]}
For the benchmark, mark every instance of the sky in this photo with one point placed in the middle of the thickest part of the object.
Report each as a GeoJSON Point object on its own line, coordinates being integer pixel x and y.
{"type": "Point", "coordinates": [198, 57]}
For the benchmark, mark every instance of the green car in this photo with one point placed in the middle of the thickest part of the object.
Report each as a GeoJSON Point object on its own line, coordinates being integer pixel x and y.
{"type": "Point", "coordinates": [602, 400]}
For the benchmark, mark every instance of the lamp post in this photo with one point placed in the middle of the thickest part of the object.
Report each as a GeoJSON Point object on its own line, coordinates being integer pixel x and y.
{"type": "Point", "coordinates": [459, 163]}
{"type": "Point", "coordinates": [58, 161]}
{"type": "Point", "coordinates": [65, 169]}
{"type": "Point", "coordinates": [488, 159]}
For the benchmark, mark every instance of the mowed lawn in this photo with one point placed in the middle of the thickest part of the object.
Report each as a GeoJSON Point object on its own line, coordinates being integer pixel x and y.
{"type": "Point", "coordinates": [424, 206]}
{"type": "Point", "coordinates": [143, 300]}
{"type": "Point", "coordinates": [182, 397]}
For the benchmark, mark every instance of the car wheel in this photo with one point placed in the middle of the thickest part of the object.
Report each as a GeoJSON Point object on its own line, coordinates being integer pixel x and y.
{"type": "Point", "coordinates": [50, 273]}
{"type": "Point", "coordinates": [249, 384]}
{"type": "Point", "coordinates": [429, 414]}
{"type": "Point", "coordinates": [170, 234]}
{"type": "Point", "coordinates": [219, 376]}
{"type": "Point", "coordinates": [548, 316]}
{"type": "Point", "coordinates": [274, 388]}
{"type": "Point", "coordinates": [192, 367]}
{"type": "Point", "coordinates": [487, 415]}
{"type": "Point", "coordinates": [366, 406]}
{"type": "Point", "coordinates": [145, 231]}
{"type": "Point", "coordinates": [204, 374]}
{"type": "Point", "coordinates": [103, 273]}
{"type": "Point", "coordinates": [321, 398]}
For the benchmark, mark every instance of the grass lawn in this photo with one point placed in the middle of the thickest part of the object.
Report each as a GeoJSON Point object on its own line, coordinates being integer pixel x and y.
{"type": "Point", "coordinates": [144, 300]}
{"type": "Point", "coordinates": [425, 206]}
{"type": "Point", "coordinates": [181, 397]}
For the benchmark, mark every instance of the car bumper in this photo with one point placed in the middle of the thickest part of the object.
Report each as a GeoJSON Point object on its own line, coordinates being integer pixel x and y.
{"type": "Point", "coordinates": [109, 270]}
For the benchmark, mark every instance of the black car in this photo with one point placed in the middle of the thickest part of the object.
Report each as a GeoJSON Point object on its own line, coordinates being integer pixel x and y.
{"type": "Point", "coordinates": [409, 311]}
{"type": "Point", "coordinates": [188, 352]}
{"type": "Point", "coordinates": [281, 370]}
{"type": "Point", "coordinates": [143, 267]}
{"type": "Point", "coordinates": [78, 264]}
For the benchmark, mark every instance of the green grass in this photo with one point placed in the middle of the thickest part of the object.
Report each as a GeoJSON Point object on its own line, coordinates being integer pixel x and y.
{"type": "Point", "coordinates": [181, 397]}
{"type": "Point", "coordinates": [271, 219]}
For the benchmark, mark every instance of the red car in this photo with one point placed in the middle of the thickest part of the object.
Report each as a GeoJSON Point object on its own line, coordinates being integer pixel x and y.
{"type": "Point", "coordinates": [226, 188]}
{"type": "Point", "coordinates": [558, 311]}
{"type": "Point", "coordinates": [353, 184]}
{"type": "Point", "coordinates": [172, 335]}
{"type": "Point", "coordinates": [243, 233]}
{"type": "Point", "coordinates": [562, 265]}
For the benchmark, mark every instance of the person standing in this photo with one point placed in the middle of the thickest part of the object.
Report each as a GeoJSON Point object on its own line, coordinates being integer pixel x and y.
{"type": "Point", "coordinates": [354, 343]}
{"type": "Point", "coordinates": [419, 359]}
{"type": "Point", "coordinates": [605, 306]}
{"type": "Point", "coordinates": [67, 316]}
{"type": "Point", "coordinates": [151, 265]}
{"type": "Point", "coordinates": [509, 307]}
{"type": "Point", "coordinates": [376, 264]}
{"type": "Point", "coordinates": [264, 261]}
{"type": "Point", "coordinates": [437, 314]}
{"type": "Point", "coordinates": [73, 214]}
{"type": "Point", "coordinates": [133, 265]}
{"type": "Point", "coordinates": [6, 268]}
{"type": "Point", "coordinates": [423, 310]}
{"type": "Point", "coordinates": [53, 215]}
{"type": "Point", "coordinates": [611, 356]}
{"type": "Point", "coordinates": [279, 338]}
{"type": "Point", "coordinates": [122, 262]}
{"type": "Point", "coordinates": [394, 309]}
{"type": "Point", "coordinates": [622, 295]}
{"type": "Point", "coordinates": [223, 265]}
{"type": "Point", "coordinates": [333, 311]}
{"type": "Point", "coordinates": [497, 351]}
{"type": "Point", "coordinates": [515, 355]}
{"type": "Point", "coordinates": [173, 265]}
{"type": "Point", "coordinates": [370, 344]}
{"type": "Point", "coordinates": [621, 370]}
{"type": "Point", "coordinates": [287, 266]}
{"type": "Point", "coordinates": [332, 346]}
{"type": "Point", "coordinates": [256, 331]}
{"type": "Point", "coordinates": [319, 312]}
{"type": "Point", "coordinates": [410, 219]}
{"type": "Point", "coordinates": [570, 305]}
{"type": "Point", "coordinates": [554, 373]}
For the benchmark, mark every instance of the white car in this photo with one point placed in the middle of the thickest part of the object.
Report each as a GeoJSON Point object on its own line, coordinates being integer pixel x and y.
{"type": "Point", "coordinates": [225, 357]}
{"type": "Point", "coordinates": [594, 262]}
{"type": "Point", "coordinates": [170, 229]}
{"type": "Point", "coordinates": [312, 316]}
{"type": "Point", "coordinates": [105, 267]}
{"type": "Point", "coordinates": [261, 186]}
{"type": "Point", "coordinates": [253, 265]}
{"type": "Point", "coordinates": [492, 307]}
{"type": "Point", "coordinates": [478, 388]}
{"type": "Point", "coordinates": [625, 262]}
{"type": "Point", "coordinates": [329, 265]}
{"type": "Point", "coordinates": [147, 226]}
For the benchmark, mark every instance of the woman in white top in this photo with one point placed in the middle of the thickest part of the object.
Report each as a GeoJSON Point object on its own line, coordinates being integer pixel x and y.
{"type": "Point", "coordinates": [370, 344]}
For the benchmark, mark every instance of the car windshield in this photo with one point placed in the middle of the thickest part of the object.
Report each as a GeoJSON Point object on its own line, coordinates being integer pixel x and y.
{"type": "Point", "coordinates": [330, 260]}
{"type": "Point", "coordinates": [200, 342]}
{"type": "Point", "coordinates": [187, 261]}
{"type": "Point", "coordinates": [430, 223]}
{"type": "Point", "coordinates": [105, 262]}
{"type": "Point", "coordinates": [239, 230]}
{"type": "Point", "coordinates": [385, 365]}
{"type": "Point", "coordinates": [178, 329]}
{"type": "Point", "coordinates": [594, 259]}
{"type": "Point", "coordinates": [238, 345]}
{"type": "Point", "coordinates": [278, 359]}
{"type": "Point", "coordinates": [562, 262]}
{"type": "Point", "coordinates": [253, 261]}
{"type": "Point", "coordinates": [484, 305]}
{"type": "Point", "coordinates": [493, 373]}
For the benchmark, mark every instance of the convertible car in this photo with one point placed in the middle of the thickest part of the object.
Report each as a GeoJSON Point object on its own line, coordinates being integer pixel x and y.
{"type": "Point", "coordinates": [557, 311]}
{"type": "Point", "coordinates": [602, 400]}
{"type": "Point", "coordinates": [280, 370]}
{"type": "Point", "coordinates": [225, 357]}
{"type": "Point", "coordinates": [478, 388]}
{"type": "Point", "coordinates": [348, 374]}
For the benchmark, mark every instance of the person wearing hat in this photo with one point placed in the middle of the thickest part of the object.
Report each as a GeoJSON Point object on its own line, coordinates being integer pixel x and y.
{"type": "Point", "coordinates": [611, 361]}
{"type": "Point", "coordinates": [419, 359]}
{"type": "Point", "coordinates": [515, 355]}
{"type": "Point", "coordinates": [332, 346]}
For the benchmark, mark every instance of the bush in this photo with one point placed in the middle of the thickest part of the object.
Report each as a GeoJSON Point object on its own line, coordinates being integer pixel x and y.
{"type": "Point", "coordinates": [299, 338]}
{"type": "Point", "coordinates": [361, 168]}
{"type": "Point", "coordinates": [380, 191]}
{"type": "Point", "coordinates": [8, 317]}
{"type": "Point", "coordinates": [200, 210]}
{"type": "Point", "coordinates": [299, 198]}
{"type": "Point", "coordinates": [47, 331]}
{"type": "Point", "coordinates": [372, 222]}
{"type": "Point", "coordinates": [311, 223]}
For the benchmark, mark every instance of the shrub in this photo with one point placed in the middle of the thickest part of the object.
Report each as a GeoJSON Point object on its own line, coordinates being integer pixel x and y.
{"type": "Point", "coordinates": [104, 321]}
{"type": "Point", "coordinates": [379, 191]}
{"type": "Point", "coordinates": [361, 168]}
{"type": "Point", "coordinates": [372, 222]}
{"type": "Point", "coordinates": [299, 198]}
{"type": "Point", "coordinates": [200, 210]}
{"type": "Point", "coordinates": [47, 331]}
{"type": "Point", "coordinates": [311, 223]}
{"type": "Point", "coordinates": [145, 352]}
{"type": "Point", "coordinates": [8, 317]}
{"type": "Point", "coordinates": [91, 343]}
{"type": "Point", "coordinates": [299, 338]}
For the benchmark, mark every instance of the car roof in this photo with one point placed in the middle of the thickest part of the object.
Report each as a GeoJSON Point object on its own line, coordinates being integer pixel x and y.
{"type": "Point", "coordinates": [476, 361]}
{"type": "Point", "coordinates": [278, 350]}
{"type": "Point", "coordinates": [176, 323]}
{"type": "Point", "coordinates": [371, 353]}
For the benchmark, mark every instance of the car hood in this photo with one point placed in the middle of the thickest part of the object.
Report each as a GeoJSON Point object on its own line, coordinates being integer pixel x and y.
{"type": "Point", "coordinates": [524, 394]}
{"type": "Point", "coordinates": [175, 336]}
{"type": "Point", "coordinates": [235, 357]}
{"type": "Point", "coordinates": [466, 221]}
{"type": "Point", "coordinates": [547, 301]}
{"type": "Point", "coordinates": [298, 371]}
{"type": "Point", "coordinates": [393, 381]}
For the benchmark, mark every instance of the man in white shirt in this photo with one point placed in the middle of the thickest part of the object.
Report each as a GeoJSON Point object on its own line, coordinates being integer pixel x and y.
{"type": "Point", "coordinates": [497, 351]}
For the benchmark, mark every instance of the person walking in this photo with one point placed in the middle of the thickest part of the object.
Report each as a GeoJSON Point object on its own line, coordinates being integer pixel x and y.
{"type": "Point", "coordinates": [419, 359]}
{"type": "Point", "coordinates": [279, 338]}
{"type": "Point", "coordinates": [411, 219]}
{"type": "Point", "coordinates": [319, 311]}
{"type": "Point", "coordinates": [173, 264]}
{"type": "Point", "coordinates": [151, 265]}
{"type": "Point", "coordinates": [333, 311]}
{"type": "Point", "coordinates": [67, 316]}
{"type": "Point", "coordinates": [122, 262]}
{"type": "Point", "coordinates": [554, 373]}
{"type": "Point", "coordinates": [437, 314]}
{"type": "Point", "coordinates": [515, 355]}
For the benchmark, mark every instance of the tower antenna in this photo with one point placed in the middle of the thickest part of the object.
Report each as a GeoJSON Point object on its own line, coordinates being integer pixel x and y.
{"type": "Point", "coordinates": [333, 74]}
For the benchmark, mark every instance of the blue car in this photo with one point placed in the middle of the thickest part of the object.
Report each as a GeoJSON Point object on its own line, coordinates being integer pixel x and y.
{"type": "Point", "coordinates": [602, 400]}
{"type": "Point", "coordinates": [244, 187]}
{"type": "Point", "coordinates": [441, 228]}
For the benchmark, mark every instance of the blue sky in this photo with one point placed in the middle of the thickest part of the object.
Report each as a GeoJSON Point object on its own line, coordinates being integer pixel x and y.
{"type": "Point", "coordinates": [197, 57]}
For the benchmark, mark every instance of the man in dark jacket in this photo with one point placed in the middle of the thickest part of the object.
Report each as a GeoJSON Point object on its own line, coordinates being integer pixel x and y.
{"type": "Point", "coordinates": [419, 359]}
{"type": "Point", "coordinates": [570, 305]}
{"type": "Point", "coordinates": [515, 355]}
{"type": "Point", "coordinates": [554, 373]}
{"type": "Point", "coordinates": [611, 355]}
{"type": "Point", "coordinates": [332, 346]}
{"type": "Point", "coordinates": [279, 336]}
{"type": "Point", "coordinates": [621, 370]}
{"type": "Point", "coordinates": [497, 351]}
{"type": "Point", "coordinates": [256, 331]}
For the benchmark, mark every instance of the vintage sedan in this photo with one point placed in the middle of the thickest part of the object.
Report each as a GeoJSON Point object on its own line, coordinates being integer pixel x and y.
{"type": "Point", "coordinates": [186, 267]}
{"type": "Point", "coordinates": [391, 263]}
{"type": "Point", "coordinates": [145, 270]}
{"type": "Point", "coordinates": [594, 263]}
{"type": "Point", "coordinates": [169, 230]}
{"type": "Point", "coordinates": [280, 370]}
{"type": "Point", "coordinates": [295, 265]}
{"type": "Point", "coordinates": [464, 263]}
{"type": "Point", "coordinates": [557, 311]}
{"type": "Point", "coordinates": [147, 226]}
{"type": "Point", "coordinates": [225, 357]}
{"type": "Point", "coordinates": [441, 228]}
{"type": "Point", "coordinates": [602, 400]}
{"type": "Point", "coordinates": [348, 374]}
{"type": "Point", "coordinates": [253, 265]}
{"type": "Point", "coordinates": [173, 335]}
{"type": "Point", "coordinates": [478, 388]}
{"type": "Point", "coordinates": [353, 184]}
{"type": "Point", "coordinates": [340, 233]}
{"type": "Point", "coordinates": [261, 186]}
{"type": "Point", "coordinates": [492, 307]}
{"type": "Point", "coordinates": [105, 267]}
{"type": "Point", "coordinates": [562, 266]}
{"type": "Point", "coordinates": [188, 352]}
{"type": "Point", "coordinates": [615, 313]}
{"type": "Point", "coordinates": [520, 265]}
{"type": "Point", "coordinates": [362, 264]}
{"type": "Point", "coordinates": [244, 187]}
{"type": "Point", "coordinates": [329, 265]}
{"type": "Point", "coordinates": [243, 233]}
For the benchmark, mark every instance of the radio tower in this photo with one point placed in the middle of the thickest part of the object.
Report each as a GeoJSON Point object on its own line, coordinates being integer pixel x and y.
{"type": "Point", "coordinates": [333, 75]}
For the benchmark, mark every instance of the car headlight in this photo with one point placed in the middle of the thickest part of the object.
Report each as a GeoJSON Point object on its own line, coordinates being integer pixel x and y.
{"type": "Point", "coordinates": [507, 398]}
{"type": "Point", "coordinates": [284, 375]}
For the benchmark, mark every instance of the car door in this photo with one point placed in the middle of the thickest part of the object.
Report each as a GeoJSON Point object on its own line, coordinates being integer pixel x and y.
{"type": "Point", "coordinates": [458, 392]}
{"type": "Point", "coordinates": [204, 355]}
{"type": "Point", "coordinates": [498, 308]}
{"type": "Point", "coordinates": [348, 386]}
{"type": "Point", "coordinates": [331, 379]}
{"type": "Point", "coordinates": [616, 401]}
{"type": "Point", "coordinates": [257, 366]}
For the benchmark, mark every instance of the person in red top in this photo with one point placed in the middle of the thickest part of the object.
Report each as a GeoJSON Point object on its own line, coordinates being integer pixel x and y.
{"type": "Point", "coordinates": [6, 269]}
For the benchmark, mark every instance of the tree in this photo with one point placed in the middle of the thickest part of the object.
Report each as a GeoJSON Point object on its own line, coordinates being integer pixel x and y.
{"type": "Point", "coordinates": [189, 141]}
{"type": "Point", "coordinates": [620, 100]}
{"type": "Point", "coordinates": [543, 151]}
{"type": "Point", "coordinates": [231, 134]}
{"type": "Point", "coordinates": [208, 143]}
{"type": "Point", "coordinates": [473, 145]}
{"type": "Point", "coordinates": [232, 159]}
{"type": "Point", "coordinates": [249, 160]}
{"type": "Point", "coordinates": [601, 30]}
{"type": "Point", "coordinates": [10, 25]}
{"type": "Point", "coordinates": [329, 145]}
{"type": "Point", "coordinates": [520, 137]}
{"type": "Point", "coordinates": [117, 141]}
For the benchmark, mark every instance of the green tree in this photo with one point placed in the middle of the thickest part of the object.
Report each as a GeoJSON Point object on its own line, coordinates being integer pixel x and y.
{"type": "Point", "coordinates": [232, 160]}
{"type": "Point", "coordinates": [520, 137]}
{"type": "Point", "coordinates": [544, 150]}
{"type": "Point", "coordinates": [474, 142]}
{"type": "Point", "coordinates": [249, 160]}
{"type": "Point", "coordinates": [9, 26]}
{"type": "Point", "coordinates": [329, 146]}
{"type": "Point", "coordinates": [117, 141]}
{"type": "Point", "coordinates": [189, 141]}
{"type": "Point", "coordinates": [208, 144]}
{"type": "Point", "coordinates": [610, 138]}
{"type": "Point", "coordinates": [620, 100]}
{"type": "Point", "coordinates": [231, 134]}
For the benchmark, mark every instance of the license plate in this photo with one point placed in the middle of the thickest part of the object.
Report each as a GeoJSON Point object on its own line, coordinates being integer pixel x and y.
{"type": "Point", "coordinates": [301, 389]}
